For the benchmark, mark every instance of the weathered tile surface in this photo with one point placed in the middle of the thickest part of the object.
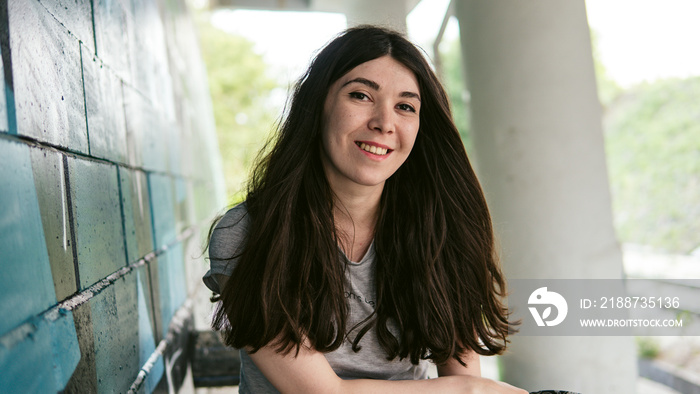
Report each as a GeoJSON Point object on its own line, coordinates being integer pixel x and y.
{"type": "Point", "coordinates": [48, 85]}
{"type": "Point", "coordinates": [182, 205]}
{"type": "Point", "coordinates": [84, 379]}
{"type": "Point", "coordinates": [113, 19]}
{"type": "Point", "coordinates": [64, 346]}
{"type": "Point", "coordinates": [174, 148]}
{"type": "Point", "coordinates": [49, 178]}
{"type": "Point", "coordinates": [94, 189]}
{"type": "Point", "coordinates": [76, 16]}
{"type": "Point", "coordinates": [43, 359]}
{"type": "Point", "coordinates": [105, 109]}
{"type": "Point", "coordinates": [124, 160]}
{"type": "Point", "coordinates": [154, 145]}
{"type": "Point", "coordinates": [146, 137]}
{"type": "Point", "coordinates": [26, 285]}
{"type": "Point", "coordinates": [162, 209]}
{"type": "Point", "coordinates": [147, 328]}
{"type": "Point", "coordinates": [115, 325]}
{"type": "Point", "coordinates": [4, 122]}
{"type": "Point", "coordinates": [136, 120]}
{"type": "Point", "coordinates": [148, 57]}
{"type": "Point", "coordinates": [171, 283]}
{"type": "Point", "coordinates": [153, 273]}
{"type": "Point", "coordinates": [137, 213]}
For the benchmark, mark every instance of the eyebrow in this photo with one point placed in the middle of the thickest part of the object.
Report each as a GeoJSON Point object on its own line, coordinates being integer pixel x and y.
{"type": "Point", "coordinates": [375, 86]}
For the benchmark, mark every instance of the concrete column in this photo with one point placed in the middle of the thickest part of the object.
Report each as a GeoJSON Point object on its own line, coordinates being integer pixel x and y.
{"type": "Point", "coordinates": [540, 156]}
{"type": "Point", "coordinates": [387, 13]}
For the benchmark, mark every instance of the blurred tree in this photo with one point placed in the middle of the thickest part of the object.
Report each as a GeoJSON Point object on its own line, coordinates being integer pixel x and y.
{"type": "Point", "coordinates": [652, 136]}
{"type": "Point", "coordinates": [241, 89]}
{"type": "Point", "coordinates": [652, 143]}
{"type": "Point", "coordinates": [454, 82]}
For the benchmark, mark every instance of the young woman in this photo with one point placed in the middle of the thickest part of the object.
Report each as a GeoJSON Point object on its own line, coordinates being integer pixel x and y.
{"type": "Point", "coordinates": [364, 250]}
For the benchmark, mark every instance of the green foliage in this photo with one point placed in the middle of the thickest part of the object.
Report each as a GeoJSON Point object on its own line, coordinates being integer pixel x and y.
{"type": "Point", "coordinates": [652, 135]}
{"type": "Point", "coordinates": [647, 347]}
{"type": "Point", "coordinates": [240, 89]}
{"type": "Point", "coordinates": [652, 141]}
{"type": "Point", "coordinates": [453, 80]}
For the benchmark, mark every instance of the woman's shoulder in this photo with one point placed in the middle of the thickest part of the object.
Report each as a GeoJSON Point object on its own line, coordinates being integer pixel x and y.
{"type": "Point", "coordinates": [233, 216]}
{"type": "Point", "coordinates": [225, 244]}
{"type": "Point", "coordinates": [229, 233]}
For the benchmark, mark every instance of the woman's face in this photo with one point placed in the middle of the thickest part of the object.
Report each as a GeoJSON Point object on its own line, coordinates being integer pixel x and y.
{"type": "Point", "coordinates": [370, 120]}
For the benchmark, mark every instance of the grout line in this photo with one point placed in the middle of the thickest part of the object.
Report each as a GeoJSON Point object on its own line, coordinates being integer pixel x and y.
{"type": "Point", "coordinates": [71, 222]}
{"type": "Point", "coordinates": [67, 151]}
{"type": "Point", "coordinates": [94, 32]}
{"type": "Point", "coordinates": [156, 321]}
{"type": "Point", "coordinates": [29, 327]}
{"type": "Point", "coordinates": [84, 296]}
{"type": "Point", "coordinates": [85, 107]}
{"type": "Point", "coordinates": [123, 213]}
{"type": "Point", "coordinates": [152, 294]}
{"type": "Point", "coordinates": [7, 68]}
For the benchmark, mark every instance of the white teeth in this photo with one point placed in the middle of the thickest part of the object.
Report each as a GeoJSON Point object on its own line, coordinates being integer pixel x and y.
{"type": "Point", "coordinates": [373, 149]}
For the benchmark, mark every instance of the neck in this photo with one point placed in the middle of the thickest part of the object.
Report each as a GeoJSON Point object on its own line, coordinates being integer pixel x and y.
{"type": "Point", "coordinates": [355, 213]}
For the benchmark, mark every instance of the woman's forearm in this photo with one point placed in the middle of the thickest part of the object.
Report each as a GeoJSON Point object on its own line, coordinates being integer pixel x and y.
{"type": "Point", "coordinates": [446, 384]}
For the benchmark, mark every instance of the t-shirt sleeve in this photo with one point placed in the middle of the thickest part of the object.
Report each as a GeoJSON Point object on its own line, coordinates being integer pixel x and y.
{"type": "Point", "coordinates": [225, 245]}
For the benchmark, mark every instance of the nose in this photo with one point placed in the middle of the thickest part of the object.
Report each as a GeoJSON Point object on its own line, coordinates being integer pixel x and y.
{"type": "Point", "coordinates": [382, 119]}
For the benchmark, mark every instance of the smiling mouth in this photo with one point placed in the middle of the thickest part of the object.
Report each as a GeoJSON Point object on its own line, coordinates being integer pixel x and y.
{"type": "Point", "coordinates": [373, 149]}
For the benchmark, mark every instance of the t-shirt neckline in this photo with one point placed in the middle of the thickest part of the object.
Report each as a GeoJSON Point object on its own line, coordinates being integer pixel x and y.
{"type": "Point", "coordinates": [369, 254]}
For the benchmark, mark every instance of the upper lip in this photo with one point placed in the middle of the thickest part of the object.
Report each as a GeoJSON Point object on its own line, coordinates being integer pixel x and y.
{"type": "Point", "coordinates": [370, 143]}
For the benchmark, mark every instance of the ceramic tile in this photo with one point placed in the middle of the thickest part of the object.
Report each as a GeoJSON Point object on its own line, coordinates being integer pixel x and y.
{"type": "Point", "coordinates": [112, 22]}
{"type": "Point", "coordinates": [137, 213]}
{"type": "Point", "coordinates": [105, 110]}
{"type": "Point", "coordinates": [162, 208]}
{"type": "Point", "coordinates": [76, 16]}
{"type": "Point", "coordinates": [49, 179]}
{"type": "Point", "coordinates": [48, 86]}
{"type": "Point", "coordinates": [41, 361]}
{"type": "Point", "coordinates": [26, 285]}
{"type": "Point", "coordinates": [115, 328]}
{"type": "Point", "coordinates": [96, 209]}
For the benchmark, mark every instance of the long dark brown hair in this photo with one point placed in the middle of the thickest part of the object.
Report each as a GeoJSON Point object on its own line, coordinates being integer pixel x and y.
{"type": "Point", "coordinates": [437, 274]}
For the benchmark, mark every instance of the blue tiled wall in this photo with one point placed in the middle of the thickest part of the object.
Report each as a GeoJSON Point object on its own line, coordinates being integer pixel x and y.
{"type": "Point", "coordinates": [26, 280]}
{"type": "Point", "coordinates": [105, 190]}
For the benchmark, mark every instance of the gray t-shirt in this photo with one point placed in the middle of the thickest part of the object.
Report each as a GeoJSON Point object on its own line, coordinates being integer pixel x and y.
{"type": "Point", "coordinates": [368, 363]}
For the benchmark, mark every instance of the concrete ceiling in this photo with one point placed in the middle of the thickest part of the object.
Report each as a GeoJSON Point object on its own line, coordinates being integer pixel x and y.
{"type": "Point", "coordinates": [339, 6]}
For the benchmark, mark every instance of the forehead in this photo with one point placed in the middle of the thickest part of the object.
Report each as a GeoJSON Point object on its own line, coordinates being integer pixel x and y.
{"type": "Point", "coordinates": [386, 71]}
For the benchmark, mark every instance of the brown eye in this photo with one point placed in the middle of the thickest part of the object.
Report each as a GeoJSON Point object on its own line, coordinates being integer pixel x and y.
{"type": "Point", "coordinates": [406, 107]}
{"type": "Point", "coordinates": [358, 95]}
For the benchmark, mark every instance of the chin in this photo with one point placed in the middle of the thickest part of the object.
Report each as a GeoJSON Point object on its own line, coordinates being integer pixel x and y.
{"type": "Point", "coordinates": [371, 180]}
{"type": "Point", "coordinates": [366, 180]}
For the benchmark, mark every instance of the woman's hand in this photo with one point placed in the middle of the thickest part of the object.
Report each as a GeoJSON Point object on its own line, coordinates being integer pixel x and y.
{"type": "Point", "coordinates": [477, 385]}
{"type": "Point", "coordinates": [467, 378]}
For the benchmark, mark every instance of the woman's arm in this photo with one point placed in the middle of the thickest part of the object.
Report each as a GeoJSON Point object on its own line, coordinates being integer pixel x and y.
{"type": "Point", "coordinates": [453, 367]}
{"type": "Point", "coordinates": [309, 372]}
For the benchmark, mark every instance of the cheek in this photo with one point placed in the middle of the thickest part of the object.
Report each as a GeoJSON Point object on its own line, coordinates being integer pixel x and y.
{"type": "Point", "coordinates": [328, 135]}
{"type": "Point", "coordinates": [409, 139]}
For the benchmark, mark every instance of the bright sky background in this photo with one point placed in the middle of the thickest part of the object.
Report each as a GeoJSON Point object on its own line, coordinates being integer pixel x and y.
{"type": "Point", "coordinates": [647, 39]}
{"type": "Point", "coordinates": [637, 39]}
